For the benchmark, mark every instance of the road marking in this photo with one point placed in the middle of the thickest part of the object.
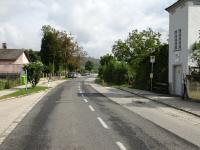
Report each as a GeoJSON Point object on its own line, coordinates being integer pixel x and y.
{"type": "Point", "coordinates": [91, 108]}
{"type": "Point", "coordinates": [102, 123]}
{"type": "Point", "coordinates": [86, 100]}
{"type": "Point", "coordinates": [121, 146]}
{"type": "Point", "coordinates": [83, 95]}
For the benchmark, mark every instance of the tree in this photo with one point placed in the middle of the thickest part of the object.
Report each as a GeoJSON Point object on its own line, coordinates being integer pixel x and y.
{"type": "Point", "coordinates": [34, 72]}
{"type": "Point", "coordinates": [50, 47]}
{"type": "Point", "coordinates": [135, 51]}
{"type": "Point", "coordinates": [89, 65]}
{"type": "Point", "coordinates": [33, 56]}
{"type": "Point", "coordinates": [59, 51]}
{"type": "Point", "coordinates": [196, 53]}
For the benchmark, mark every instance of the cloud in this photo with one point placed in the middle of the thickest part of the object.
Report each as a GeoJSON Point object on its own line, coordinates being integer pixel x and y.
{"type": "Point", "coordinates": [95, 24]}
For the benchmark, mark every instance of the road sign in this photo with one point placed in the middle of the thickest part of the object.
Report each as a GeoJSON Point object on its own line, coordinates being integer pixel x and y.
{"type": "Point", "coordinates": [152, 59]}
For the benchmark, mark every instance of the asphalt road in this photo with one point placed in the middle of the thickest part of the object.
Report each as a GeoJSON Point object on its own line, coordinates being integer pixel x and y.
{"type": "Point", "coordinates": [74, 116]}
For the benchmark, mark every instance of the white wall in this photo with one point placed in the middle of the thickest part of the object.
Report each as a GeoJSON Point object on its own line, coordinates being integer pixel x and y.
{"type": "Point", "coordinates": [178, 20]}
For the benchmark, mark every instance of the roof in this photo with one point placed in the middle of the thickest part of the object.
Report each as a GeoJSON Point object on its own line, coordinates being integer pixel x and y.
{"type": "Point", "coordinates": [10, 54]}
{"type": "Point", "coordinates": [174, 5]}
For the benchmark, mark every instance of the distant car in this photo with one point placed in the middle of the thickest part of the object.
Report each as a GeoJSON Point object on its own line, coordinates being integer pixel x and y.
{"type": "Point", "coordinates": [84, 74]}
{"type": "Point", "coordinates": [72, 75]}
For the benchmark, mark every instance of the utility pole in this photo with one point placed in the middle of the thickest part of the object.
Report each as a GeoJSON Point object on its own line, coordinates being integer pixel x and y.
{"type": "Point", "coordinates": [26, 79]}
{"type": "Point", "coordinates": [152, 61]}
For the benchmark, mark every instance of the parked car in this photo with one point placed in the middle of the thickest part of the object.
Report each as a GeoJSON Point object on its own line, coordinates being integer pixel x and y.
{"type": "Point", "coordinates": [72, 75]}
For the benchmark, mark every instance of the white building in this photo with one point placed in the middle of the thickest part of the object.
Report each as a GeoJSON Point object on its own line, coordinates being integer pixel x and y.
{"type": "Point", "coordinates": [184, 31]}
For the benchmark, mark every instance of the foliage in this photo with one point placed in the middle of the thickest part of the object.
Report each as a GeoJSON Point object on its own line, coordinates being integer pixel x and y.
{"type": "Point", "coordinates": [32, 56]}
{"type": "Point", "coordinates": [95, 62]}
{"type": "Point", "coordinates": [112, 71]}
{"type": "Point", "coordinates": [59, 51]}
{"type": "Point", "coordinates": [196, 53]}
{"type": "Point", "coordinates": [34, 72]}
{"type": "Point", "coordinates": [89, 66]}
{"type": "Point", "coordinates": [132, 57]}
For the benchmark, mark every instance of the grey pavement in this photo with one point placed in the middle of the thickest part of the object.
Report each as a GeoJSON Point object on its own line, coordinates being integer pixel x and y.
{"type": "Point", "coordinates": [176, 102]}
{"type": "Point", "coordinates": [12, 111]}
{"type": "Point", "coordinates": [180, 123]}
{"type": "Point", "coordinates": [75, 116]}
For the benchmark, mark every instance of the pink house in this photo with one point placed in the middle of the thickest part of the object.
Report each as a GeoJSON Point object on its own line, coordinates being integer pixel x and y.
{"type": "Point", "coordinates": [12, 60]}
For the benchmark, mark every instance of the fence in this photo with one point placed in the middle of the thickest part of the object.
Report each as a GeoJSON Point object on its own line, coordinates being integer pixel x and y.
{"type": "Point", "coordinates": [9, 82]}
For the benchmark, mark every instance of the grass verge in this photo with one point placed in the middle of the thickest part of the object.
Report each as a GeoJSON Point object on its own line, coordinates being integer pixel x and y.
{"type": "Point", "coordinates": [23, 92]}
{"type": "Point", "coordinates": [100, 82]}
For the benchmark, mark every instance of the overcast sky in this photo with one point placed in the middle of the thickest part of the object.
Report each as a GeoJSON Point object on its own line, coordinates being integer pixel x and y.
{"type": "Point", "coordinates": [95, 24]}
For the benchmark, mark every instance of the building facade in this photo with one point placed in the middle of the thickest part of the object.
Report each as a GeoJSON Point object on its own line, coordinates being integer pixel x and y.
{"type": "Point", "coordinates": [184, 31]}
{"type": "Point", "coordinates": [12, 61]}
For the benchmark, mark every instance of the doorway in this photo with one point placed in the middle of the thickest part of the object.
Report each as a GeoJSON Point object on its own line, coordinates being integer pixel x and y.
{"type": "Point", "coordinates": [178, 80]}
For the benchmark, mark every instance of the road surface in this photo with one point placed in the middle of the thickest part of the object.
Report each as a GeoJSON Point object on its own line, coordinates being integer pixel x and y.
{"type": "Point", "coordinates": [74, 116]}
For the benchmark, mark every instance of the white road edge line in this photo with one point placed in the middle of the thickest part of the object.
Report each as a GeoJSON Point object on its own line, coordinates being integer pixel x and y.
{"type": "Point", "coordinates": [91, 108]}
{"type": "Point", "coordinates": [103, 123]}
{"type": "Point", "coordinates": [86, 100]}
{"type": "Point", "coordinates": [121, 146]}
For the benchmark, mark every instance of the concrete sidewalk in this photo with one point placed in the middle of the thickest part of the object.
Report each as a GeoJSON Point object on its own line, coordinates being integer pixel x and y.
{"type": "Point", "coordinates": [180, 123]}
{"type": "Point", "coordinates": [171, 101]}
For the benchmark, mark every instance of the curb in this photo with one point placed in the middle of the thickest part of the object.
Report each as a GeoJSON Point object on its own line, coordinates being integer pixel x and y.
{"type": "Point", "coordinates": [159, 102]}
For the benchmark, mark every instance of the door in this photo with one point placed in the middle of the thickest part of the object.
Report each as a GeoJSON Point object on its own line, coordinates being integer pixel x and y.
{"type": "Point", "coordinates": [178, 80]}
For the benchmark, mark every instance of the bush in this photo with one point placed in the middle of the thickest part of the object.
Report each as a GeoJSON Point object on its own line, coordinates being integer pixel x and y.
{"type": "Point", "coordinates": [113, 72]}
{"type": "Point", "coordinates": [34, 72]}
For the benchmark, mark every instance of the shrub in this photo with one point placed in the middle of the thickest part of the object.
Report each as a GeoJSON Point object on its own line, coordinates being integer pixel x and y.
{"type": "Point", "coordinates": [34, 72]}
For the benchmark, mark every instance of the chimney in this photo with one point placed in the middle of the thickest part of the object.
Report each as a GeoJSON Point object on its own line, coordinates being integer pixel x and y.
{"type": "Point", "coordinates": [4, 46]}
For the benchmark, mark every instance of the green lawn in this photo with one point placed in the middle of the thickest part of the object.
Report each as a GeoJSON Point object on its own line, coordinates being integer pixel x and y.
{"type": "Point", "coordinates": [24, 92]}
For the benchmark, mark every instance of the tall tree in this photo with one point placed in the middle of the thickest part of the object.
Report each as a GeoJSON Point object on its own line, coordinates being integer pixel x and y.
{"type": "Point", "coordinates": [33, 56]}
{"type": "Point", "coordinates": [89, 66]}
{"type": "Point", "coordinates": [59, 51]}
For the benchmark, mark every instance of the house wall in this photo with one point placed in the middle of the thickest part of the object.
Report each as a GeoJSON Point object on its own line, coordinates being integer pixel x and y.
{"type": "Point", "coordinates": [22, 59]}
{"type": "Point", "coordinates": [178, 20]}
{"type": "Point", "coordinates": [186, 18]}
{"type": "Point", "coordinates": [13, 67]}
{"type": "Point", "coordinates": [4, 62]}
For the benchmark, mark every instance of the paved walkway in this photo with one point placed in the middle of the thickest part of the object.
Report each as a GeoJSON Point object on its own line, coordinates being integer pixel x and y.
{"type": "Point", "coordinates": [181, 123]}
{"type": "Point", "coordinates": [172, 101]}
{"type": "Point", "coordinates": [14, 110]}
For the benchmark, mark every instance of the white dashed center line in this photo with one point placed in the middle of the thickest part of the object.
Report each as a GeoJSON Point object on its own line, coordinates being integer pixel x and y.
{"type": "Point", "coordinates": [121, 146]}
{"type": "Point", "coordinates": [91, 108]}
{"type": "Point", "coordinates": [86, 100]}
{"type": "Point", "coordinates": [103, 123]}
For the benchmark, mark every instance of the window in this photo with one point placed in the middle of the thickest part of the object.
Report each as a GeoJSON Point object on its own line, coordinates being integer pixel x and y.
{"type": "Point", "coordinates": [175, 40]}
{"type": "Point", "coordinates": [179, 39]}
